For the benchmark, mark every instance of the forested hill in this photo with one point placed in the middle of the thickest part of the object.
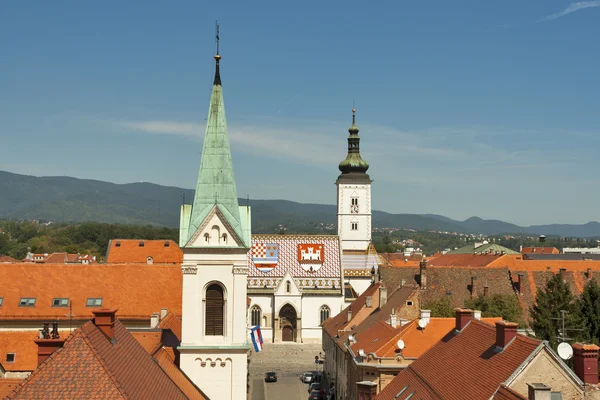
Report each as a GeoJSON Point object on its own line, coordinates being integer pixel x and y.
{"type": "Point", "coordinates": [66, 199]}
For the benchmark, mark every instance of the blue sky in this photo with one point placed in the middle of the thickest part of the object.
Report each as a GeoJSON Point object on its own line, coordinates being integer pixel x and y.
{"type": "Point", "coordinates": [486, 108]}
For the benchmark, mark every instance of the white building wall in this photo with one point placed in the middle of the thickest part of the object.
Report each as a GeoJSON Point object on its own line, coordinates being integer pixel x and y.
{"type": "Point", "coordinates": [216, 364]}
{"type": "Point", "coordinates": [354, 239]}
{"type": "Point", "coordinates": [360, 285]}
{"type": "Point", "coordinates": [265, 303]}
{"type": "Point", "coordinates": [311, 314]}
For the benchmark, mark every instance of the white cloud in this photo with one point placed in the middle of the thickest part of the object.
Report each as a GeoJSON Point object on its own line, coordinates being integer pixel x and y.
{"type": "Point", "coordinates": [580, 5]}
{"type": "Point", "coordinates": [186, 129]}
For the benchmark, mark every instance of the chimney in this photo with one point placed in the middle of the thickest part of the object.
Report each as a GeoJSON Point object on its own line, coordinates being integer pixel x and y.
{"type": "Point", "coordinates": [463, 317]}
{"type": "Point", "coordinates": [46, 347]}
{"type": "Point", "coordinates": [366, 390]}
{"type": "Point", "coordinates": [473, 278]}
{"type": "Point", "coordinates": [477, 314]}
{"type": "Point", "coordinates": [585, 360]}
{"type": "Point", "coordinates": [369, 301]}
{"type": "Point", "coordinates": [163, 313]}
{"type": "Point", "coordinates": [393, 318]}
{"type": "Point", "coordinates": [520, 282]}
{"type": "Point", "coordinates": [562, 273]}
{"type": "Point", "coordinates": [538, 391]}
{"type": "Point", "coordinates": [349, 315]}
{"type": "Point", "coordinates": [382, 296]}
{"type": "Point", "coordinates": [104, 319]}
{"type": "Point", "coordinates": [589, 273]}
{"type": "Point", "coordinates": [486, 290]}
{"type": "Point", "coordinates": [154, 319]}
{"type": "Point", "coordinates": [505, 332]}
{"type": "Point", "coordinates": [426, 315]}
{"type": "Point", "coordinates": [423, 274]}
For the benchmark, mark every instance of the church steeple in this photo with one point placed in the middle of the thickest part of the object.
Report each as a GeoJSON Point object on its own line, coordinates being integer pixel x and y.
{"type": "Point", "coordinates": [354, 167]}
{"type": "Point", "coordinates": [215, 187]}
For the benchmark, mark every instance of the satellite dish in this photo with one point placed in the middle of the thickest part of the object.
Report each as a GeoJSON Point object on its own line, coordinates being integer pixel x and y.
{"type": "Point", "coordinates": [565, 351]}
{"type": "Point", "coordinates": [361, 353]}
{"type": "Point", "coordinates": [400, 344]}
{"type": "Point", "coordinates": [422, 323]}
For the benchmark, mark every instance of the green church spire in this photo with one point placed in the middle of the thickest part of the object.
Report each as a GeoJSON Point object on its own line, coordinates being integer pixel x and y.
{"type": "Point", "coordinates": [354, 168]}
{"type": "Point", "coordinates": [215, 188]}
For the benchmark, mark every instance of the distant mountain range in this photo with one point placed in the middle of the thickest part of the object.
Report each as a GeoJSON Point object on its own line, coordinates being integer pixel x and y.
{"type": "Point", "coordinates": [65, 199]}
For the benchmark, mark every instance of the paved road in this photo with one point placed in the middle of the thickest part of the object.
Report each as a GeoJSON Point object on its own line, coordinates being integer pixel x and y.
{"type": "Point", "coordinates": [289, 361]}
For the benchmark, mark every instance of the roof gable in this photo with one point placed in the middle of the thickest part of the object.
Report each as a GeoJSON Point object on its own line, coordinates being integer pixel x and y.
{"type": "Point", "coordinates": [215, 231]}
{"type": "Point", "coordinates": [281, 290]}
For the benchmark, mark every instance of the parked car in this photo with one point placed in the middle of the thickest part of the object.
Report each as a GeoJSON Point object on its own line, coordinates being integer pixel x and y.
{"type": "Point", "coordinates": [315, 395]}
{"type": "Point", "coordinates": [307, 377]}
{"type": "Point", "coordinates": [271, 377]}
{"type": "Point", "coordinates": [314, 386]}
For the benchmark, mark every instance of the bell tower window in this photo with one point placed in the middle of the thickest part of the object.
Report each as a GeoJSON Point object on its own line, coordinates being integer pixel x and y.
{"type": "Point", "coordinates": [215, 310]}
{"type": "Point", "coordinates": [354, 226]}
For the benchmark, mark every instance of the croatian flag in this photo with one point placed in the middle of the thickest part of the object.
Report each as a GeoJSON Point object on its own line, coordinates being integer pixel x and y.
{"type": "Point", "coordinates": [257, 340]}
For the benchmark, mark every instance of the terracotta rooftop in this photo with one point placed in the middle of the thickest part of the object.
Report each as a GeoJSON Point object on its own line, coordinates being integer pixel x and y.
{"type": "Point", "coordinates": [172, 322]}
{"type": "Point", "coordinates": [467, 359]}
{"type": "Point", "coordinates": [21, 344]}
{"type": "Point", "coordinates": [506, 393]}
{"type": "Point", "coordinates": [465, 260]}
{"type": "Point", "coordinates": [417, 341]}
{"type": "Point", "coordinates": [92, 366]}
{"type": "Point", "coordinates": [150, 340]}
{"type": "Point", "coordinates": [540, 250]}
{"type": "Point", "coordinates": [8, 259]}
{"type": "Point", "coordinates": [7, 385]}
{"type": "Point", "coordinates": [138, 251]}
{"type": "Point", "coordinates": [137, 290]}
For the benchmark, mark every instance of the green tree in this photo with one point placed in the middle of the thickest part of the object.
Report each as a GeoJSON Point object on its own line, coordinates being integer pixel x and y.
{"type": "Point", "coordinates": [506, 306]}
{"type": "Point", "coordinates": [546, 318]}
{"type": "Point", "coordinates": [441, 307]}
{"type": "Point", "coordinates": [588, 305]}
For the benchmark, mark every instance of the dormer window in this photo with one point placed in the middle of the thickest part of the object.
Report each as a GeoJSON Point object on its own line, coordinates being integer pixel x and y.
{"type": "Point", "coordinates": [118, 244]}
{"type": "Point", "coordinates": [167, 244]}
{"type": "Point", "coordinates": [141, 243]}
{"type": "Point", "coordinates": [150, 260]}
{"type": "Point", "coordinates": [10, 357]}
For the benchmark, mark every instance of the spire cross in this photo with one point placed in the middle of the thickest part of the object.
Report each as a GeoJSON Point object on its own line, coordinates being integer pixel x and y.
{"type": "Point", "coordinates": [353, 112]}
{"type": "Point", "coordinates": [217, 35]}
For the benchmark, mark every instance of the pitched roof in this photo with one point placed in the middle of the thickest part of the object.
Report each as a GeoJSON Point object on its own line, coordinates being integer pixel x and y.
{"type": "Point", "coordinates": [416, 340]}
{"type": "Point", "coordinates": [131, 251]}
{"type": "Point", "coordinates": [539, 250]}
{"type": "Point", "coordinates": [339, 322]}
{"type": "Point", "coordinates": [56, 258]}
{"type": "Point", "coordinates": [137, 290]}
{"type": "Point", "coordinates": [7, 385]}
{"type": "Point", "coordinates": [172, 322]}
{"type": "Point", "coordinates": [287, 255]}
{"type": "Point", "coordinates": [465, 260]}
{"type": "Point", "coordinates": [483, 248]}
{"type": "Point", "coordinates": [91, 366]}
{"type": "Point", "coordinates": [150, 340]}
{"type": "Point", "coordinates": [400, 260]}
{"type": "Point", "coordinates": [506, 393]}
{"type": "Point", "coordinates": [8, 259]}
{"type": "Point", "coordinates": [216, 182]}
{"type": "Point", "coordinates": [22, 344]}
{"type": "Point", "coordinates": [467, 359]}
{"type": "Point", "coordinates": [165, 358]}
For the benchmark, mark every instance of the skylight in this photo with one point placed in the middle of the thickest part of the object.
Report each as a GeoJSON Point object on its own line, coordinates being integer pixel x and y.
{"type": "Point", "coordinates": [27, 302]}
{"type": "Point", "coordinates": [10, 357]}
{"type": "Point", "coordinates": [1, 300]}
{"type": "Point", "coordinates": [94, 302]}
{"type": "Point", "coordinates": [60, 302]}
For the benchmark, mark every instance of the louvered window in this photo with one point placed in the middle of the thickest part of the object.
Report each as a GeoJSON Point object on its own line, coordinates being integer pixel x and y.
{"type": "Point", "coordinates": [215, 304]}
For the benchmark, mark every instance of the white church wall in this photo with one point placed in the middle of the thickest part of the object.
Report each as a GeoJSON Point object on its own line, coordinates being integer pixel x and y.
{"type": "Point", "coordinates": [266, 307]}
{"type": "Point", "coordinates": [360, 285]}
{"type": "Point", "coordinates": [219, 375]}
{"type": "Point", "coordinates": [311, 315]}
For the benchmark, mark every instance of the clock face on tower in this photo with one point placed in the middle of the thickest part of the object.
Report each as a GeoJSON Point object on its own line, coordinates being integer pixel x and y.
{"type": "Point", "coordinates": [354, 208]}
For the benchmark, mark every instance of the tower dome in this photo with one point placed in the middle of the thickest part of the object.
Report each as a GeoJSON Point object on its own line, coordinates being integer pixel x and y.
{"type": "Point", "coordinates": [353, 167]}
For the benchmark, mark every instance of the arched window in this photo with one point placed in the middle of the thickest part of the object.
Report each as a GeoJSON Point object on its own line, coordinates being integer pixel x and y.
{"type": "Point", "coordinates": [324, 313]}
{"type": "Point", "coordinates": [224, 237]}
{"type": "Point", "coordinates": [288, 287]}
{"type": "Point", "coordinates": [215, 306]}
{"type": "Point", "coordinates": [150, 260]}
{"type": "Point", "coordinates": [255, 315]}
{"type": "Point", "coordinates": [206, 237]}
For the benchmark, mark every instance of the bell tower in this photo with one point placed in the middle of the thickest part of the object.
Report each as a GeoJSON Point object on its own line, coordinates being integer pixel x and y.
{"type": "Point", "coordinates": [354, 196]}
{"type": "Point", "coordinates": [214, 236]}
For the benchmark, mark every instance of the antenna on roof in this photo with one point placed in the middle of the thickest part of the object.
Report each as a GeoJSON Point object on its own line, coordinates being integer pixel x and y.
{"type": "Point", "coordinates": [70, 316]}
{"type": "Point", "coordinates": [183, 199]}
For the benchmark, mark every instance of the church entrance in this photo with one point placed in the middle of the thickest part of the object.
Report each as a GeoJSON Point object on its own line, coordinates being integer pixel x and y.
{"type": "Point", "coordinates": [287, 323]}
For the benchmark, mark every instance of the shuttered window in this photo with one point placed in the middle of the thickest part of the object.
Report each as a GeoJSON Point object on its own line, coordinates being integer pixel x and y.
{"type": "Point", "coordinates": [215, 305]}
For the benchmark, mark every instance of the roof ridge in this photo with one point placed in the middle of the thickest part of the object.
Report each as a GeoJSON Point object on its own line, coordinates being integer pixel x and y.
{"type": "Point", "coordinates": [169, 376]}
{"type": "Point", "coordinates": [105, 367]}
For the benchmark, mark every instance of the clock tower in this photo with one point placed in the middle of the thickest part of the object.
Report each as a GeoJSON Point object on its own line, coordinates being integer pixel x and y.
{"type": "Point", "coordinates": [354, 196]}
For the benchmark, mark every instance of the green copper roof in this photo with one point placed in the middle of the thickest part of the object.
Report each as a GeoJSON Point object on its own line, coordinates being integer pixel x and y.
{"type": "Point", "coordinates": [353, 167]}
{"type": "Point", "coordinates": [216, 182]}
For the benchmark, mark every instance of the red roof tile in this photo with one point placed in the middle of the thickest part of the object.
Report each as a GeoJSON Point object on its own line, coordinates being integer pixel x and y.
{"type": "Point", "coordinates": [166, 360]}
{"type": "Point", "coordinates": [92, 367]}
{"type": "Point", "coordinates": [540, 250]}
{"type": "Point", "coordinates": [137, 290]}
{"type": "Point", "coordinates": [172, 322]}
{"type": "Point", "coordinates": [506, 393]}
{"type": "Point", "coordinates": [8, 259]}
{"type": "Point", "coordinates": [149, 340]}
{"type": "Point", "coordinates": [22, 344]}
{"type": "Point", "coordinates": [465, 260]}
{"type": "Point", "coordinates": [130, 251]}
{"type": "Point", "coordinates": [468, 359]}
{"type": "Point", "coordinates": [7, 385]}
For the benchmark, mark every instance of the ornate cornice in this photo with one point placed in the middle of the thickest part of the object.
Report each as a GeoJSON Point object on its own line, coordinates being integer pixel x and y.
{"type": "Point", "coordinates": [189, 269]}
